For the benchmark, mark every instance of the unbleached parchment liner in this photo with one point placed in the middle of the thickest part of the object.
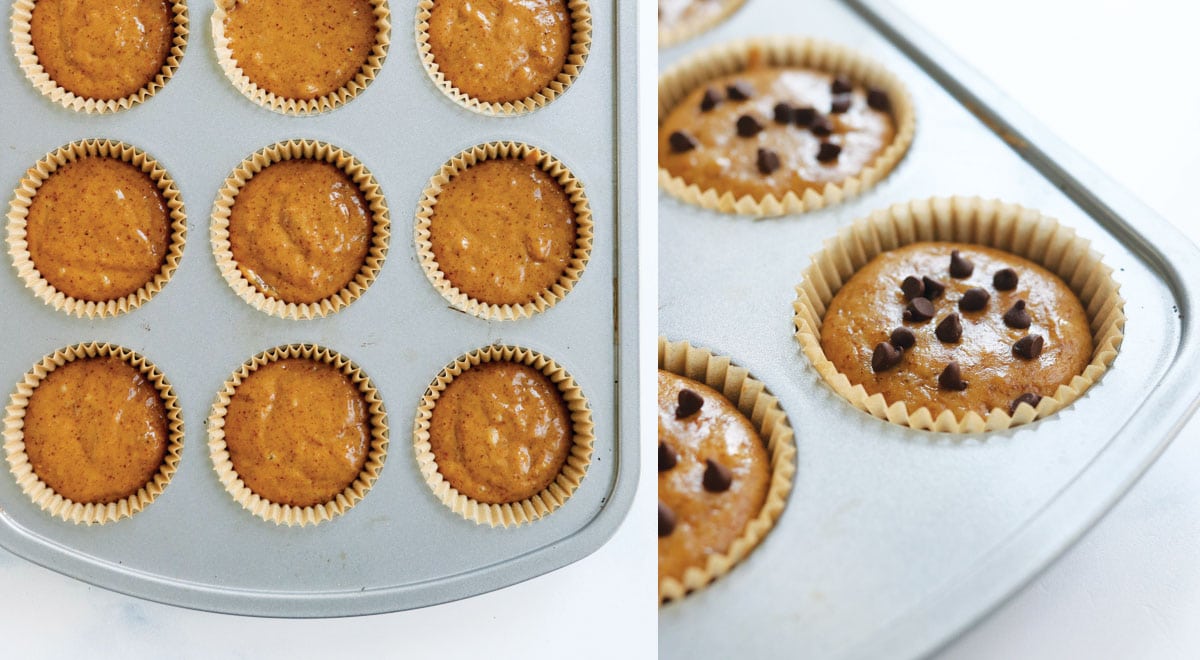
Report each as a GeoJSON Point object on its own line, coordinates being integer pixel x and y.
{"type": "Point", "coordinates": [546, 298]}
{"type": "Point", "coordinates": [88, 513]}
{"type": "Point", "coordinates": [551, 497]}
{"type": "Point", "coordinates": [302, 107]}
{"type": "Point", "coordinates": [731, 58]}
{"type": "Point", "coordinates": [22, 38]}
{"type": "Point", "coordinates": [765, 414]}
{"type": "Point", "coordinates": [668, 37]}
{"type": "Point", "coordinates": [285, 514]}
{"type": "Point", "coordinates": [18, 212]}
{"type": "Point", "coordinates": [257, 162]}
{"type": "Point", "coordinates": [1024, 232]}
{"type": "Point", "coordinates": [581, 43]}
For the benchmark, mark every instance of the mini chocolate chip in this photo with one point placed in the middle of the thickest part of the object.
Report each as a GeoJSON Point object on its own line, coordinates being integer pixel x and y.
{"type": "Point", "coordinates": [951, 378]}
{"type": "Point", "coordinates": [1005, 279]}
{"type": "Point", "coordinates": [828, 152]}
{"type": "Point", "coordinates": [1017, 317]}
{"type": "Point", "coordinates": [689, 404]}
{"type": "Point", "coordinates": [878, 99]}
{"type": "Point", "coordinates": [973, 299]}
{"type": "Point", "coordinates": [666, 457]}
{"type": "Point", "coordinates": [768, 161]}
{"type": "Point", "coordinates": [1028, 397]}
{"type": "Point", "coordinates": [804, 116]}
{"type": "Point", "coordinates": [933, 288]}
{"type": "Point", "coordinates": [681, 142]}
{"type": "Point", "coordinates": [912, 287]}
{"type": "Point", "coordinates": [666, 520]}
{"type": "Point", "coordinates": [710, 99]}
{"type": "Point", "coordinates": [748, 126]}
{"type": "Point", "coordinates": [960, 266]}
{"type": "Point", "coordinates": [1029, 347]}
{"type": "Point", "coordinates": [783, 113]}
{"type": "Point", "coordinates": [821, 126]}
{"type": "Point", "coordinates": [919, 309]}
{"type": "Point", "coordinates": [841, 85]}
{"type": "Point", "coordinates": [950, 329]}
{"type": "Point", "coordinates": [739, 91]}
{"type": "Point", "coordinates": [902, 338]}
{"type": "Point", "coordinates": [885, 357]}
{"type": "Point", "coordinates": [717, 477]}
{"type": "Point", "coordinates": [839, 104]}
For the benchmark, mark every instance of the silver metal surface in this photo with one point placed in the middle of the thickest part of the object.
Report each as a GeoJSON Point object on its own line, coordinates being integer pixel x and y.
{"type": "Point", "coordinates": [895, 540]}
{"type": "Point", "coordinates": [400, 547]}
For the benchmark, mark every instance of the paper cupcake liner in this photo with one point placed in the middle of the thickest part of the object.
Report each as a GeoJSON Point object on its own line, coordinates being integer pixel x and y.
{"type": "Point", "coordinates": [547, 298]}
{"type": "Point", "coordinates": [679, 81]}
{"type": "Point", "coordinates": [284, 514]}
{"type": "Point", "coordinates": [18, 212]}
{"type": "Point", "coordinates": [301, 107]}
{"type": "Point", "coordinates": [670, 36]}
{"type": "Point", "coordinates": [762, 409]}
{"type": "Point", "coordinates": [581, 43]}
{"type": "Point", "coordinates": [551, 497]}
{"type": "Point", "coordinates": [257, 162]}
{"type": "Point", "coordinates": [991, 223]}
{"type": "Point", "coordinates": [43, 495]}
{"type": "Point", "coordinates": [22, 38]}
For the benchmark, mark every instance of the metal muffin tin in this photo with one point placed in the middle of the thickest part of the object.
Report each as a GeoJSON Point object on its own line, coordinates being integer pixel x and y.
{"type": "Point", "coordinates": [895, 540]}
{"type": "Point", "coordinates": [400, 547]}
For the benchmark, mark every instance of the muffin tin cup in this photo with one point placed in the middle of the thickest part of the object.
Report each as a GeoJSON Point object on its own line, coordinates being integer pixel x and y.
{"type": "Point", "coordinates": [301, 107]}
{"type": "Point", "coordinates": [550, 498]}
{"type": "Point", "coordinates": [18, 213]}
{"type": "Point", "coordinates": [257, 162]}
{"type": "Point", "coordinates": [736, 56]}
{"type": "Point", "coordinates": [765, 414]}
{"type": "Point", "coordinates": [581, 42]}
{"type": "Point", "coordinates": [284, 514]}
{"type": "Point", "coordinates": [546, 298]}
{"type": "Point", "coordinates": [43, 495]}
{"type": "Point", "coordinates": [670, 36]}
{"type": "Point", "coordinates": [22, 38]}
{"type": "Point", "coordinates": [992, 223]}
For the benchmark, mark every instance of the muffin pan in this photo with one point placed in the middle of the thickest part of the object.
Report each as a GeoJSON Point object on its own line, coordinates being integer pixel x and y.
{"type": "Point", "coordinates": [893, 540]}
{"type": "Point", "coordinates": [399, 547]}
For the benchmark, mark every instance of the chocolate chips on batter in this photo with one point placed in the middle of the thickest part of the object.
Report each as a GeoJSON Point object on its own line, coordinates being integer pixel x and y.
{"type": "Point", "coordinates": [821, 126]}
{"type": "Point", "coordinates": [1017, 316]}
{"type": "Point", "coordinates": [839, 104]}
{"type": "Point", "coordinates": [878, 99]}
{"type": "Point", "coordinates": [951, 378]}
{"type": "Point", "coordinates": [1029, 347]}
{"type": "Point", "coordinates": [739, 91]}
{"type": "Point", "coordinates": [666, 520]}
{"type": "Point", "coordinates": [804, 116]}
{"type": "Point", "coordinates": [885, 357]}
{"type": "Point", "coordinates": [1005, 279]}
{"type": "Point", "coordinates": [913, 287]}
{"type": "Point", "coordinates": [933, 288]}
{"type": "Point", "coordinates": [841, 85]}
{"type": "Point", "coordinates": [768, 161]}
{"type": "Point", "coordinates": [689, 404]}
{"type": "Point", "coordinates": [710, 99]}
{"type": "Point", "coordinates": [828, 152]}
{"type": "Point", "coordinates": [783, 113]}
{"type": "Point", "coordinates": [919, 309]}
{"type": "Point", "coordinates": [717, 477]}
{"type": "Point", "coordinates": [973, 300]}
{"type": "Point", "coordinates": [667, 458]}
{"type": "Point", "coordinates": [950, 329]}
{"type": "Point", "coordinates": [903, 338]}
{"type": "Point", "coordinates": [748, 126]}
{"type": "Point", "coordinates": [1028, 397]}
{"type": "Point", "coordinates": [960, 266]}
{"type": "Point", "coordinates": [682, 142]}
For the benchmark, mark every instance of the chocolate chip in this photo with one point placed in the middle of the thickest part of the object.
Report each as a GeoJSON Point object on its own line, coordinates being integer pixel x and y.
{"type": "Point", "coordinates": [1005, 279]}
{"type": "Point", "coordinates": [1017, 317]}
{"type": "Point", "coordinates": [768, 161]}
{"type": "Point", "coordinates": [878, 99]}
{"type": "Point", "coordinates": [681, 142]}
{"type": "Point", "coordinates": [951, 378]}
{"type": "Point", "coordinates": [839, 104]}
{"type": "Point", "coordinates": [1028, 397]}
{"type": "Point", "coordinates": [828, 152]}
{"type": "Point", "coordinates": [783, 113]}
{"type": "Point", "coordinates": [739, 91]}
{"type": "Point", "coordinates": [960, 266]}
{"type": "Point", "coordinates": [912, 287]}
{"type": "Point", "coordinates": [950, 329]}
{"type": "Point", "coordinates": [841, 85]}
{"type": "Point", "coordinates": [748, 126]}
{"type": "Point", "coordinates": [902, 338]}
{"type": "Point", "coordinates": [717, 477]}
{"type": "Point", "coordinates": [689, 404]}
{"type": "Point", "coordinates": [666, 520]}
{"type": "Point", "coordinates": [919, 309]}
{"type": "Point", "coordinates": [885, 357]}
{"type": "Point", "coordinates": [666, 456]}
{"type": "Point", "coordinates": [804, 116]}
{"type": "Point", "coordinates": [974, 299]}
{"type": "Point", "coordinates": [1029, 347]}
{"type": "Point", "coordinates": [821, 126]}
{"type": "Point", "coordinates": [933, 288]}
{"type": "Point", "coordinates": [710, 99]}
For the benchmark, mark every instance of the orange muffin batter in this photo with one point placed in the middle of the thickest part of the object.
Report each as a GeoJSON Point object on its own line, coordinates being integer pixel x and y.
{"type": "Point", "coordinates": [503, 231]}
{"type": "Point", "coordinates": [98, 229]}
{"type": "Point", "coordinates": [712, 144]}
{"type": "Point", "coordinates": [96, 430]}
{"type": "Point", "coordinates": [500, 51]}
{"type": "Point", "coordinates": [301, 49]}
{"type": "Point", "coordinates": [872, 304]}
{"type": "Point", "coordinates": [299, 230]}
{"type": "Point", "coordinates": [500, 432]}
{"type": "Point", "coordinates": [707, 512]}
{"type": "Point", "coordinates": [297, 431]}
{"type": "Point", "coordinates": [102, 49]}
